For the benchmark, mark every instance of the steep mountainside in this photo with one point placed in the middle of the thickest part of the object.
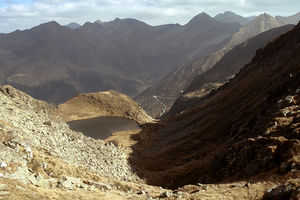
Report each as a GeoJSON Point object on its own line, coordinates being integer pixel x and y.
{"type": "Point", "coordinates": [249, 130]}
{"type": "Point", "coordinates": [54, 63]}
{"type": "Point", "coordinates": [109, 103]}
{"type": "Point", "coordinates": [230, 17]}
{"type": "Point", "coordinates": [170, 87]}
{"type": "Point", "coordinates": [226, 68]}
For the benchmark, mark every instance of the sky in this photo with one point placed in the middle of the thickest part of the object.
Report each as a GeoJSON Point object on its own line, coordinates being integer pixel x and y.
{"type": "Point", "coordinates": [24, 14]}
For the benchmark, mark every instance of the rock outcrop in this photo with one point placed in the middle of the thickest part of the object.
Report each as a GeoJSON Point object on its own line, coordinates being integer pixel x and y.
{"type": "Point", "coordinates": [29, 124]}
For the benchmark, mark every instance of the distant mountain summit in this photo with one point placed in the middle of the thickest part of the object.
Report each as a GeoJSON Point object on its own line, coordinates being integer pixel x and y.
{"type": "Point", "coordinates": [73, 25]}
{"type": "Point", "coordinates": [98, 21]}
{"type": "Point", "coordinates": [258, 25]}
{"type": "Point", "coordinates": [48, 25]}
{"type": "Point", "coordinates": [201, 19]}
{"type": "Point", "coordinates": [230, 17]}
{"type": "Point", "coordinates": [294, 19]}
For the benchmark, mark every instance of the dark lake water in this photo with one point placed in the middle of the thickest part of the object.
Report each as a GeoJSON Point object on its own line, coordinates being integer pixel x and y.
{"type": "Point", "coordinates": [103, 127]}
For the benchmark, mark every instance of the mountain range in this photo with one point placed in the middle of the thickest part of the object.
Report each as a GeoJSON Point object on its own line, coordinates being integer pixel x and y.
{"type": "Point", "coordinates": [54, 62]}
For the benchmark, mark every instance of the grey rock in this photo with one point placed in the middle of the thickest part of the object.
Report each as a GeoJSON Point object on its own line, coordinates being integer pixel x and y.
{"type": "Point", "coordinates": [70, 182]}
{"type": "Point", "coordinates": [20, 187]}
{"type": "Point", "coordinates": [29, 153]}
{"type": "Point", "coordinates": [3, 187]}
{"type": "Point", "coordinates": [44, 165]}
{"type": "Point", "coordinates": [100, 185]}
{"type": "Point", "coordinates": [41, 182]}
{"type": "Point", "coordinates": [165, 194]}
{"type": "Point", "coordinates": [3, 164]}
{"type": "Point", "coordinates": [3, 193]}
{"type": "Point", "coordinates": [284, 191]}
{"type": "Point", "coordinates": [92, 188]}
{"type": "Point", "coordinates": [52, 182]}
{"type": "Point", "coordinates": [66, 184]}
{"type": "Point", "coordinates": [32, 179]}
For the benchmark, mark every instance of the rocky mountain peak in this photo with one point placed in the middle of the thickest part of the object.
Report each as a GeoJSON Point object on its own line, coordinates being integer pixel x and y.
{"type": "Point", "coordinates": [127, 22]}
{"type": "Point", "coordinates": [294, 19]}
{"type": "Point", "coordinates": [258, 25]}
{"type": "Point", "coordinates": [262, 17]}
{"type": "Point", "coordinates": [98, 21]}
{"type": "Point", "coordinates": [201, 19]}
{"type": "Point", "coordinates": [231, 17]}
{"type": "Point", "coordinates": [265, 22]}
{"type": "Point", "coordinates": [50, 25]}
{"type": "Point", "coordinates": [73, 25]}
{"type": "Point", "coordinates": [267, 19]}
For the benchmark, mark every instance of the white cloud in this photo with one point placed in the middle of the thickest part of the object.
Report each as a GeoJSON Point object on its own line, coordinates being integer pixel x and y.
{"type": "Point", "coordinates": [17, 15]}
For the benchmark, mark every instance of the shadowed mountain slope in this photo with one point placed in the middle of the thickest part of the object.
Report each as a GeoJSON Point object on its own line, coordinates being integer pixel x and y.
{"type": "Point", "coordinates": [226, 68]}
{"type": "Point", "coordinates": [248, 129]}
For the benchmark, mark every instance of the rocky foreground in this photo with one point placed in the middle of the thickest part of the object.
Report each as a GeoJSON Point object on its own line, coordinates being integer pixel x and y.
{"type": "Point", "coordinates": [41, 158]}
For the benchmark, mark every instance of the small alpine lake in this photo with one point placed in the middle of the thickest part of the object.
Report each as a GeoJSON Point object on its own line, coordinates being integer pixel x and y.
{"type": "Point", "coordinates": [103, 127]}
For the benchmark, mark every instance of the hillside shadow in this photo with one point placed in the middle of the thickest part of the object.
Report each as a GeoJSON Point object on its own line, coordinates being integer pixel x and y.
{"type": "Point", "coordinates": [242, 155]}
